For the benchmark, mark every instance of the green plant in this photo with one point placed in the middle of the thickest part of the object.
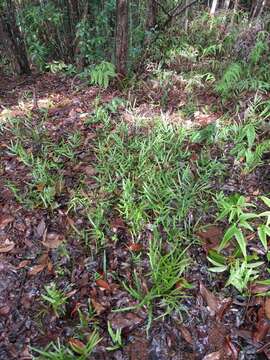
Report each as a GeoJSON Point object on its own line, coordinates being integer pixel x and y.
{"type": "Point", "coordinates": [102, 74]}
{"type": "Point", "coordinates": [167, 283]}
{"type": "Point", "coordinates": [55, 298]}
{"type": "Point", "coordinates": [54, 352]}
{"type": "Point", "coordinates": [230, 78]}
{"type": "Point", "coordinates": [243, 273]}
{"type": "Point", "coordinates": [233, 207]}
{"type": "Point", "coordinates": [264, 229]}
{"type": "Point", "coordinates": [84, 351]}
{"type": "Point", "coordinates": [115, 337]}
{"type": "Point", "coordinates": [77, 350]}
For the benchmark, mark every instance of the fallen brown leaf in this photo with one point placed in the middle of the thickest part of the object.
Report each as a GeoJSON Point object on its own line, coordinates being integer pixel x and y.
{"type": "Point", "coordinates": [125, 321]}
{"type": "Point", "coordinates": [262, 328]}
{"type": "Point", "coordinates": [186, 334]}
{"type": "Point", "coordinates": [267, 308]}
{"type": "Point", "coordinates": [76, 344]}
{"type": "Point", "coordinates": [4, 310]}
{"type": "Point", "coordinates": [5, 220]}
{"type": "Point", "coordinates": [52, 240]}
{"type": "Point", "coordinates": [217, 355]}
{"type": "Point", "coordinates": [258, 288]}
{"type": "Point", "coordinates": [40, 229]}
{"type": "Point", "coordinates": [103, 284]}
{"type": "Point", "coordinates": [34, 270]}
{"type": "Point", "coordinates": [7, 246]}
{"type": "Point", "coordinates": [210, 237]}
{"type": "Point", "coordinates": [23, 264]}
{"type": "Point", "coordinates": [212, 302]}
{"type": "Point", "coordinates": [99, 308]}
{"type": "Point", "coordinates": [135, 247]}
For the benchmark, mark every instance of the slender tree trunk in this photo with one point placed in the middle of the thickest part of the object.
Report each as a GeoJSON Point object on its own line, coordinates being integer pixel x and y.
{"type": "Point", "coordinates": [186, 16]}
{"type": "Point", "coordinates": [227, 4]}
{"type": "Point", "coordinates": [121, 36]}
{"type": "Point", "coordinates": [235, 8]}
{"type": "Point", "coordinates": [213, 7]}
{"type": "Point", "coordinates": [151, 19]}
{"type": "Point", "coordinates": [16, 40]}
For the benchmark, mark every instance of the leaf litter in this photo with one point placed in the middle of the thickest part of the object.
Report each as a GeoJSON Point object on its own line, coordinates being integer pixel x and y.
{"type": "Point", "coordinates": [38, 247]}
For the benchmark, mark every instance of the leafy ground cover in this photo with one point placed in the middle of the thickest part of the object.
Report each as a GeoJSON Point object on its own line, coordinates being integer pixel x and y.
{"type": "Point", "coordinates": [135, 220]}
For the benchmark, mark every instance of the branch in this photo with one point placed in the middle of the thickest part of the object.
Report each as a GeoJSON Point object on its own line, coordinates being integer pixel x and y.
{"type": "Point", "coordinates": [176, 12]}
{"type": "Point", "coordinates": [162, 8]}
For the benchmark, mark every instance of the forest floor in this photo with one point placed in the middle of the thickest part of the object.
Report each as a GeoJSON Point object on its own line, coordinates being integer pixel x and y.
{"type": "Point", "coordinates": [96, 200]}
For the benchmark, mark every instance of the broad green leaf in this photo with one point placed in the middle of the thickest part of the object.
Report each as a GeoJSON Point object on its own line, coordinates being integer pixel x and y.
{"type": "Point", "coordinates": [218, 269]}
{"type": "Point", "coordinates": [214, 262]}
{"type": "Point", "coordinates": [215, 256]}
{"type": "Point", "coordinates": [230, 233]}
{"type": "Point", "coordinates": [255, 264]}
{"type": "Point", "coordinates": [251, 135]}
{"type": "Point", "coordinates": [266, 200]}
{"type": "Point", "coordinates": [246, 225]}
{"type": "Point", "coordinates": [247, 216]}
{"type": "Point", "coordinates": [263, 282]}
{"type": "Point", "coordinates": [241, 241]}
{"type": "Point", "coordinates": [262, 236]}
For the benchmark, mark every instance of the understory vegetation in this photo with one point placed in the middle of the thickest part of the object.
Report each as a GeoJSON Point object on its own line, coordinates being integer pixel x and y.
{"type": "Point", "coordinates": [125, 198]}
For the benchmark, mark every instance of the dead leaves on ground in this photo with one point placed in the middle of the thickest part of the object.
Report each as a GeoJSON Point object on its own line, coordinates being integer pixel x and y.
{"type": "Point", "coordinates": [7, 246]}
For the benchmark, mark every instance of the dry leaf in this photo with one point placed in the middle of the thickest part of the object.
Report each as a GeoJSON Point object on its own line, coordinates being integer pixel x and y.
{"type": "Point", "coordinates": [135, 247]}
{"type": "Point", "coordinates": [76, 344]}
{"type": "Point", "coordinates": [40, 229]}
{"type": "Point", "coordinates": [52, 240]}
{"type": "Point", "coordinates": [267, 308]}
{"type": "Point", "coordinates": [210, 237]}
{"type": "Point", "coordinates": [262, 328]}
{"type": "Point", "coordinates": [4, 310]}
{"type": "Point", "coordinates": [186, 334]}
{"type": "Point", "coordinates": [217, 355]}
{"type": "Point", "coordinates": [210, 299]}
{"type": "Point", "coordinates": [7, 246]}
{"type": "Point", "coordinates": [103, 284]}
{"type": "Point", "coordinates": [99, 308]}
{"type": "Point", "coordinates": [23, 264]}
{"type": "Point", "coordinates": [34, 270]}
{"type": "Point", "coordinates": [5, 220]}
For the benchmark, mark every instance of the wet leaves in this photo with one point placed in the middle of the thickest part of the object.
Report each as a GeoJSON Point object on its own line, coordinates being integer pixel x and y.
{"type": "Point", "coordinates": [125, 320]}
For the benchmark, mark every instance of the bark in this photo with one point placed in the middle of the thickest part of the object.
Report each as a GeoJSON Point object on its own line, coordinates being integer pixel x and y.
{"type": "Point", "coordinates": [226, 4]}
{"type": "Point", "coordinates": [213, 7]}
{"type": "Point", "coordinates": [121, 36]}
{"type": "Point", "coordinates": [151, 19]}
{"type": "Point", "coordinates": [235, 9]}
{"type": "Point", "coordinates": [15, 38]}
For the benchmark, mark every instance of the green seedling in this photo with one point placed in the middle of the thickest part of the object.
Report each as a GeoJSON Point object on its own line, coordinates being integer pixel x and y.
{"type": "Point", "coordinates": [115, 337]}
{"type": "Point", "coordinates": [55, 298]}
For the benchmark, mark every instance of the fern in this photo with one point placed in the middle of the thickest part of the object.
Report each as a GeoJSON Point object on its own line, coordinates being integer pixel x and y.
{"type": "Point", "coordinates": [229, 79]}
{"type": "Point", "coordinates": [102, 74]}
{"type": "Point", "coordinates": [260, 48]}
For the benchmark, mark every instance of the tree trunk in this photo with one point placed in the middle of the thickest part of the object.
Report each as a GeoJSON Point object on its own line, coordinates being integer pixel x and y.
{"type": "Point", "coordinates": [226, 4]}
{"type": "Point", "coordinates": [235, 9]}
{"type": "Point", "coordinates": [121, 36]}
{"type": "Point", "coordinates": [213, 7]}
{"type": "Point", "coordinates": [16, 40]}
{"type": "Point", "coordinates": [151, 19]}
